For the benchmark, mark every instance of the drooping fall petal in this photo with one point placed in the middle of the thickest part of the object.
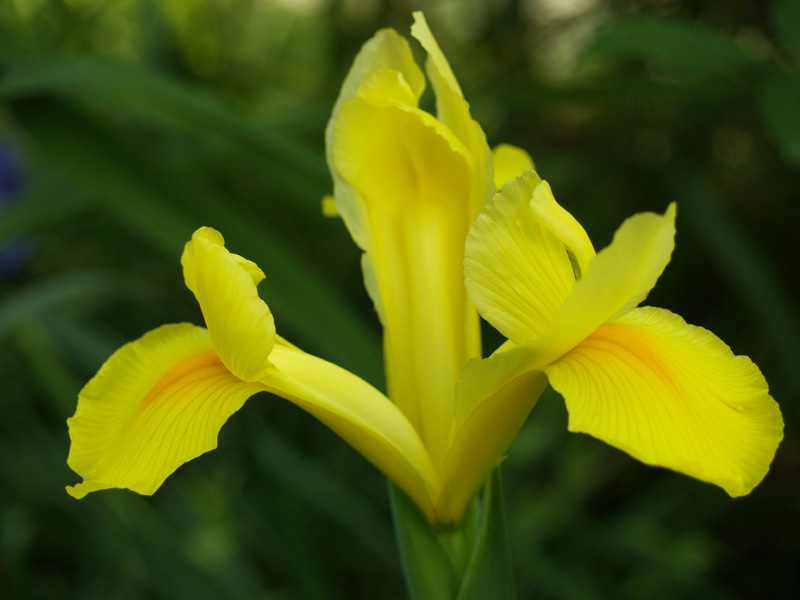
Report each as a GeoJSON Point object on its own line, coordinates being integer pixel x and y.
{"type": "Point", "coordinates": [157, 403]}
{"type": "Point", "coordinates": [618, 279]}
{"type": "Point", "coordinates": [672, 395]}
{"type": "Point", "coordinates": [491, 407]}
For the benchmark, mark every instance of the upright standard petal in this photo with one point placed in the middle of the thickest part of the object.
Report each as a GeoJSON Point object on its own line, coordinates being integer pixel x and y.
{"type": "Point", "coordinates": [157, 403]}
{"type": "Point", "coordinates": [386, 51]}
{"type": "Point", "coordinates": [413, 181]}
{"type": "Point", "coordinates": [453, 110]}
{"type": "Point", "coordinates": [518, 273]}
{"type": "Point", "coordinates": [240, 323]}
{"type": "Point", "coordinates": [672, 395]}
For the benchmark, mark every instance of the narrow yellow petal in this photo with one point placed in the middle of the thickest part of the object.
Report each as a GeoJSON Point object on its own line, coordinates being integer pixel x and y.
{"type": "Point", "coordinates": [386, 50]}
{"type": "Point", "coordinates": [240, 323]}
{"type": "Point", "coordinates": [452, 110]}
{"type": "Point", "coordinates": [441, 75]}
{"type": "Point", "coordinates": [518, 273]}
{"type": "Point", "coordinates": [413, 181]}
{"type": "Point", "coordinates": [157, 403]}
{"type": "Point", "coordinates": [510, 162]}
{"type": "Point", "coordinates": [361, 415]}
{"type": "Point", "coordinates": [672, 395]}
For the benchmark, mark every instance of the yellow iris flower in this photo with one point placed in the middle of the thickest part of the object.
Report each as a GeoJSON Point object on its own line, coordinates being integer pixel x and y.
{"type": "Point", "coordinates": [409, 187]}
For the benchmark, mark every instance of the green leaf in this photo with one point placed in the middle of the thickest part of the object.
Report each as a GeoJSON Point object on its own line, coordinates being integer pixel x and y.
{"type": "Point", "coordinates": [39, 207]}
{"type": "Point", "coordinates": [779, 102]}
{"type": "Point", "coordinates": [679, 47]}
{"type": "Point", "coordinates": [145, 92]}
{"type": "Point", "coordinates": [786, 15]}
{"type": "Point", "coordinates": [323, 491]}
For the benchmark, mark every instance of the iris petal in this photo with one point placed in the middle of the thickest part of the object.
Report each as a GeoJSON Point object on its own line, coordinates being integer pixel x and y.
{"type": "Point", "coordinates": [240, 323]}
{"type": "Point", "coordinates": [518, 273]}
{"type": "Point", "coordinates": [509, 162]}
{"type": "Point", "coordinates": [618, 279]}
{"type": "Point", "coordinates": [453, 110]}
{"type": "Point", "coordinates": [386, 51]}
{"type": "Point", "coordinates": [413, 181]}
{"type": "Point", "coordinates": [673, 395]}
{"type": "Point", "coordinates": [492, 405]}
{"type": "Point", "coordinates": [157, 403]}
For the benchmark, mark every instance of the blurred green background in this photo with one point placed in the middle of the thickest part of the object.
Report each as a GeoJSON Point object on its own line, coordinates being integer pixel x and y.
{"type": "Point", "coordinates": [126, 124]}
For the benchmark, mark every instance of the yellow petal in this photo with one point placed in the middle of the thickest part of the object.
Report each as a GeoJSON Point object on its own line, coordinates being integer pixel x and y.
{"type": "Point", "coordinates": [673, 395]}
{"type": "Point", "coordinates": [413, 181]}
{"type": "Point", "coordinates": [240, 323]}
{"type": "Point", "coordinates": [157, 403]}
{"type": "Point", "coordinates": [387, 87]}
{"type": "Point", "coordinates": [510, 162]}
{"type": "Point", "coordinates": [453, 111]}
{"type": "Point", "coordinates": [618, 279]}
{"type": "Point", "coordinates": [361, 415]}
{"type": "Point", "coordinates": [552, 217]}
{"type": "Point", "coordinates": [494, 399]}
{"type": "Point", "coordinates": [386, 51]}
{"type": "Point", "coordinates": [518, 273]}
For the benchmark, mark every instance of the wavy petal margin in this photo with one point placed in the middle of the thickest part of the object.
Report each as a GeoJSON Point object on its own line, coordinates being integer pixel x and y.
{"type": "Point", "coordinates": [385, 51]}
{"type": "Point", "coordinates": [155, 404]}
{"type": "Point", "coordinates": [672, 395]}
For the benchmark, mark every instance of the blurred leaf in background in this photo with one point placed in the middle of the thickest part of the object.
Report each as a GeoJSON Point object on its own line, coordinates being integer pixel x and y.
{"type": "Point", "coordinates": [124, 125]}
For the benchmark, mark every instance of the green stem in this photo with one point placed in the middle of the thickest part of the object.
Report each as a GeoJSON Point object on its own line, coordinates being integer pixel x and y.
{"type": "Point", "coordinates": [470, 562]}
